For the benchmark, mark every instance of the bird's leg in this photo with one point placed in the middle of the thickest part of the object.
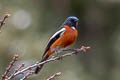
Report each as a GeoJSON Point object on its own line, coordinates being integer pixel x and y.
{"type": "Point", "coordinates": [57, 51]}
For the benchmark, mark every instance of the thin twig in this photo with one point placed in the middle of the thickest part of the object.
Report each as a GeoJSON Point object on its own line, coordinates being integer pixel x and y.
{"type": "Point", "coordinates": [27, 75]}
{"type": "Point", "coordinates": [5, 75]}
{"type": "Point", "coordinates": [16, 70]}
{"type": "Point", "coordinates": [54, 75]}
{"type": "Point", "coordinates": [2, 22]}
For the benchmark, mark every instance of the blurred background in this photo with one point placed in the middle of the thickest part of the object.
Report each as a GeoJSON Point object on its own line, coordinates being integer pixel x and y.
{"type": "Point", "coordinates": [32, 22]}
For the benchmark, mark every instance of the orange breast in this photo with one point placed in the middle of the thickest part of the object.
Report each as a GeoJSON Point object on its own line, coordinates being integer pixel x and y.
{"type": "Point", "coordinates": [68, 37]}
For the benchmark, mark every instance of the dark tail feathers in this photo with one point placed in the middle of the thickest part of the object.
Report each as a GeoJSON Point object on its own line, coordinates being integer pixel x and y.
{"type": "Point", "coordinates": [40, 67]}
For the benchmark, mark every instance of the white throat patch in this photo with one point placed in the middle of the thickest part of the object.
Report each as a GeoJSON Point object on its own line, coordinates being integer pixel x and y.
{"type": "Point", "coordinates": [73, 27]}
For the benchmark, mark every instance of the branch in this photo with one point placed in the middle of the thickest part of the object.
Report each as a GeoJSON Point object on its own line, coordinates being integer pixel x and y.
{"type": "Point", "coordinates": [54, 75]}
{"type": "Point", "coordinates": [27, 75]}
{"type": "Point", "coordinates": [29, 69]}
{"type": "Point", "coordinates": [5, 75]}
{"type": "Point", "coordinates": [2, 22]}
{"type": "Point", "coordinates": [16, 70]}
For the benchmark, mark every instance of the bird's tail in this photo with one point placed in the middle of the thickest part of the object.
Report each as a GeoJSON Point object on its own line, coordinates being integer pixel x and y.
{"type": "Point", "coordinates": [38, 69]}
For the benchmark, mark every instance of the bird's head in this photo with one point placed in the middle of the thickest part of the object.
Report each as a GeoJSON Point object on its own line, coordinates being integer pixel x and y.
{"type": "Point", "coordinates": [71, 21]}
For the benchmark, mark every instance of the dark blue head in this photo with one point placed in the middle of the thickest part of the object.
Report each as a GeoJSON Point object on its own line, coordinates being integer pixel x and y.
{"type": "Point", "coordinates": [71, 21]}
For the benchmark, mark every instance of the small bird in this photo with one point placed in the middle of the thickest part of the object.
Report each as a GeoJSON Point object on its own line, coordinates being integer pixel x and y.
{"type": "Point", "coordinates": [61, 39]}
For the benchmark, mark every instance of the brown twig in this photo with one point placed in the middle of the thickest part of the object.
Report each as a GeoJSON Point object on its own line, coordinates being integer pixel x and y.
{"type": "Point", "coordinates": [16, 70]}
{"type": "Point", "coordinates": [29, 68]}
{"type": "Point", "coordinates": [27, 75]}
{"type": "Point", "coordinates": [5, 75]}
{"type": "Point", "coordinates": [2, 22]}
{"type": "Point", "coordinates": [54, 75]}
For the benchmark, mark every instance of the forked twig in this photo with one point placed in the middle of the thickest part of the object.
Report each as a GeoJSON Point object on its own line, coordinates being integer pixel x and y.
{"type": "Point", "coordinates": [27, 75]}
{"type": "Point", "coordinates": [5, 75]}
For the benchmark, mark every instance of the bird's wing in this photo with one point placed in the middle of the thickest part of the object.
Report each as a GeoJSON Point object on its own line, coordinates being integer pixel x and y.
{"type": "Point", "coordinates": [53, 39]}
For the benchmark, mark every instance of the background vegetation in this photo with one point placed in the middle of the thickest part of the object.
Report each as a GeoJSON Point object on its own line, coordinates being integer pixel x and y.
{"type": "Point", "coordinates": [32, 22]}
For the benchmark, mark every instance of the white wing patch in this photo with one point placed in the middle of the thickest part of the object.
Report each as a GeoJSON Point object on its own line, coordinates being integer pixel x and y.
{"type": "Point", "coordinates": [61, 30]}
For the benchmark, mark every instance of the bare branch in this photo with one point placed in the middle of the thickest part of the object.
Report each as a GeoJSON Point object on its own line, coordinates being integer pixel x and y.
{"type": "Point", "coordinates": [54, 75]}
{"type": "Point", "coordinates": [27, 75]}
{"type": "Point", "coordinates": [2, 22]}
{"type": "Point", "coordinates": [29, 70]}
{"type": "Point", "coordinates": [16, 70]}
{"type": "Point", "coordinates": [5, 75]}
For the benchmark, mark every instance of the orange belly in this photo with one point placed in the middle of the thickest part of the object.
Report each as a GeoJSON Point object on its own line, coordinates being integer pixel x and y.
{"type": "Point", "coordinates": [68, 38]}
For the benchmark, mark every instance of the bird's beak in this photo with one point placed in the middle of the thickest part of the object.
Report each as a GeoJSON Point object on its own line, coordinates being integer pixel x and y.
{"type": "Point", "coordinates": [77, 20]}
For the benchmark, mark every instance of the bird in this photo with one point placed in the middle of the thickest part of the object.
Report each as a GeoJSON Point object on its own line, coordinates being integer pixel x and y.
{"type": "Point", "coordinates": [61, 39]}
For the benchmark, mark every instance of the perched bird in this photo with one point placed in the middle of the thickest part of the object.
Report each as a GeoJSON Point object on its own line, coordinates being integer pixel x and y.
{"type": "Point", "coordinates": [61, 39]}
